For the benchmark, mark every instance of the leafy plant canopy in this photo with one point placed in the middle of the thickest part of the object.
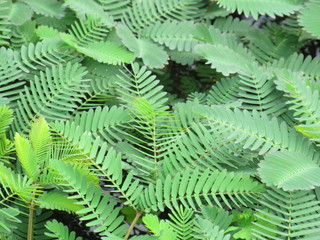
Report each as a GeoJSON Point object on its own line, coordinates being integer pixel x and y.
{"type": "Point", "coordinates": [185, 119]}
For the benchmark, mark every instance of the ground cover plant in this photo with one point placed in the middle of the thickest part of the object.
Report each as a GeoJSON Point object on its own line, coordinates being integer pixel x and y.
{"type": "Point", "coordinates": [159, 119]}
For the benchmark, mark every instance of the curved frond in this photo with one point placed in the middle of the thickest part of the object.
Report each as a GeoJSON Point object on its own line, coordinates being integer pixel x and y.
{"type": "Point", "coordinates": [294, 215]}
{"type": "Point", "coordinates": [98, 207]}
{"type": "Point", "coordinates": [253, 131]}
{"type": "Point", "coordinates": [254, 7]}
{"type": "Point", "coordinates": [193, 190]}
{"type": "Point", "coordinates": [56, 200]}
{"type": "Point", "coordinates": [145, 13]}
{"type": "Point", "coordinates": [50, 8]}
{"type": "Point", "coordinates": [52, 95]}
{"type": "Point", "coordinates": [309, 17]}
{"type": "Point", "coordinates": [303, 173]}
{"type": "Point", "coordinates": [60, 231]}
{"type": "Point", "coordinates": [152, 54]}
{"type": "Point", "coordinates": [303, 100]}
{"type": "Point", "coordinates": [172, 34]}
{"type": "Point", "coordinates": [10, 75]}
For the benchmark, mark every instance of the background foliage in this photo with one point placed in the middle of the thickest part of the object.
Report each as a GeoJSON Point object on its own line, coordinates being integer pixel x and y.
{"type": "Point", "coordinates": [159, 119]}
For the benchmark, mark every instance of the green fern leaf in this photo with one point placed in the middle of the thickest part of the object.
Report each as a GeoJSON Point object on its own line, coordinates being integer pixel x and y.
{"type": "Point", "coordinates": [50, 8]}
{"type": "Point", "coordinates": [161, 229]}
{"type": "Point", "coordinates": [152, 55]}
{"type": "Point", "coordinates": [56, 200]}
{"type": "Point", "coordinates": [98, 208]}
{"type": "Point", "coordinates": [193, 189]}
{"type": "Point", "coordinates": [44, 32]}
{"type": "Point", "coordinates": [254, 7]}
{"type": "Point", "coordinates": [309, 17]}
{"type": "Point", "coordinates": [172, 34]}
{"type": "Point", "coordinates": [20, 13]}
{"type": "Point", "coordinates": [27, 156]}
{"type": "Point", "coordinates": [223, 52]}
{"type": "Point", "coordinates": [5, 119]}
{"type": "Point", "coordinates": [105, 52]}
{"type": "Point", "coordinates": [255, 131]}
{"type": "Point", "coordinates": [293, 220]}
{"type": "Point", "coordinates": [40, 139]}
{"type": "Point", "coordinates": [52, 94]}
{"type": "Point", "coordinates": [143, 14]}
{"type": "Point", "coordinates": [86, 8]}
{"type": "Point", "coordinates": [60, 231]}
{"type": "Point", "coordinates": [303, 173]}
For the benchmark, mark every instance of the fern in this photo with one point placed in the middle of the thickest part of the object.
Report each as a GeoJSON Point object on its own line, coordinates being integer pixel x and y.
{"type": "Point", "coordinates": [292, 220]}
{"type": "Point", "coordinates": [87, 128]}
{"type": "Point", "coordinates": [59, 231]}
{"type": "Point", "coordinates": [271, 8]}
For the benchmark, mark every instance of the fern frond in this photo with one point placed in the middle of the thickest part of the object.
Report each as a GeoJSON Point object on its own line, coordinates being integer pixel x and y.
{"type": "Point", "coordinates": [56, 200]}
{"type": "Point", "coordinates": [5, 27]}
{"type": "Point", "coordinates": [224, 91]}
{"type": "Point", "coordinates": [98, 207]}
{"type": "Point", "coordinates": [108, 123]}
{"type": "Point", "coordinates": [14, 184]}
{"type": "Point", "coordinates": [241, 28]}
{"type": "Point", "coordinates": [172, 34]}
{"type": "Point", "coordinates": [272, 8]}
{"type": "Point", "coordinates": [152, 54]}
{"type": "Point", "coordinates": [223, 52]}
{"type": "Point", "coordinates": [299, 219]}
{"type": "Point", "coordinates": [255, 131]}
{"type": "Point", "coordinates": [182, 222]}
{"type": "Point", "coordinates": [115, 8]}
{"type": "Point", "coordinates": [303, 173]}
{"type": "Point", "coordinates": [53, 95]}
{"type": "Point", "coordinates": [26, 156]}
{"type": "Point", "coordinates": [20, 12]}
{"type": "Point", "coordinates": [50, 8]}
{"type": "Point", "coordinates": [160, 229]}
{"type": "Point", "coordinates": [40, 139]}
{"type": "Point", "coordinates": [60, 231]}
{"type": "Point", "coordinates": [206, 150]}
{"type": "Point", "coordinates": [194, 190]}
{"type": "Point", "coordinates": [105, 52]}
{"type": "Point", "coordinates": [106, 161]}
{"type": "Point", "coordinates": [5, 119]}
{"type": "Point", "coordinates": [258, 91]}
{"type": "Point", "coordinates": [6, 150]}
{"type": "Point", "coordinates": [305, 102]}
{"type": "Point", "coordinates": [46, 53]}
{"type": "Point", "coordinates": [309, 17]}
{"type": "Point", "coordinates": [8, 220]}
{"type": "Point", "coordinates": [145, 13]}
{"type": "Point", "coordinates": [86, 8]}
{"type": "Point", "coordinates": [11, 75]}
{"type": "Point", "coordinates": [298, 63]}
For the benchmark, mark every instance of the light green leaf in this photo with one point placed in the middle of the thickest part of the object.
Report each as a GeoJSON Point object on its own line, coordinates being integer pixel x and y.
{"type": "Point", "coordinates": [105, 52]}
{"type": "Point", "coordinates": [44, 32]}
{"type": "Point", "coordinates": [309, 18]}
{"type": "Point", "coordinates": [289, 171]}
{"type": "Point", "coordinates": [152, 54]}
{"type": "Point", "coordinates": [49, 8]}
{"type": "Point", "coordinates": [40, 139]}
{"type": "Point", "coordinates": [263, 7]}
{"type": "Point", "coordinates": [20, 13]}
{"type": "Point", "coordinates": [26, 156]}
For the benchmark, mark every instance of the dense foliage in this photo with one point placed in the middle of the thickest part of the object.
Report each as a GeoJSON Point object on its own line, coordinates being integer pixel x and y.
{"type": "Point", "coordinates": [174, 115]}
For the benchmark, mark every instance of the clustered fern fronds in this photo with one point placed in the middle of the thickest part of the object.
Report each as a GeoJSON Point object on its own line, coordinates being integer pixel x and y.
{"type": "Point", "coordinates": [87, 128]}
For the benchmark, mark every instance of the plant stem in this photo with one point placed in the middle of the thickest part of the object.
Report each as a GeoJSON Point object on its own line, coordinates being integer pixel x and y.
{"type": "Point", "coordinates": [136, 218]}
{"type": "Point", "coordinates": [30, 222]}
